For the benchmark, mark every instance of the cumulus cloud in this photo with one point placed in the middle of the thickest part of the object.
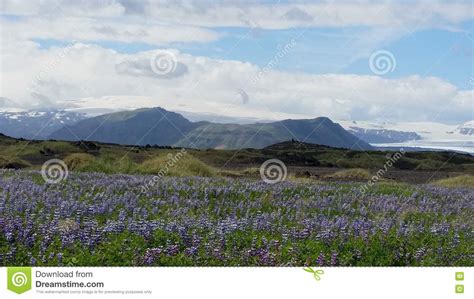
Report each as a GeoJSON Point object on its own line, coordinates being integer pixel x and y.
{"type": "Point", "coordinates": [210, 85]}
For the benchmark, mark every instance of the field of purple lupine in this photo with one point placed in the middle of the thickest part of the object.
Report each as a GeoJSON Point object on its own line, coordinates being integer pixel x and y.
{"type": "Point", "coordinates": [106, 220]}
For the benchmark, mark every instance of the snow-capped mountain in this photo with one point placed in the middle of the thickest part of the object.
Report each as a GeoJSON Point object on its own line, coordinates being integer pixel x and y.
{"type": "Point", "coordinates": [36, 124]}
{"type": "Point", "coordinates": [378, 134]}
{"type": "Point", "coordinates": [467, 128]}
{"type": "Point", "coordinates": [414, 134]}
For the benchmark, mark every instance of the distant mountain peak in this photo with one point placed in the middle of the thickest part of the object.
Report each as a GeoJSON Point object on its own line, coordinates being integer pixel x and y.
{"type": "Point", "coordinates": [36, 124]}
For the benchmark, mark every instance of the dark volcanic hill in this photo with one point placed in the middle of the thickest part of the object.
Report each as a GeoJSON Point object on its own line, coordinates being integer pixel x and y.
{"type": "Point", "coordinates": [162, 127]}
{"type": "Point", "coordinates": [138, 127]}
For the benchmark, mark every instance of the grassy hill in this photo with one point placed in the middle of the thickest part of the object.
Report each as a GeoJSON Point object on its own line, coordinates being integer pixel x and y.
{"type": "Point", "coordinates": [302, 159]}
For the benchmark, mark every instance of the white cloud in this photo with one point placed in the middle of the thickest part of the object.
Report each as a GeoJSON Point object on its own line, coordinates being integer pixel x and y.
{"type": "Point", "coordinates": [409, 14]}
{"type": "Point", "coordinates": [85, 75]}
{"type": "Point", "coordinates": [215, 86]}
{"type": "Point", "coordinates": [90, 29]}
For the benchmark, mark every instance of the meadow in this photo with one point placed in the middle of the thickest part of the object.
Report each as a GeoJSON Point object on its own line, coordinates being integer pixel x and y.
{"type": "Point", "coordinates": [99, 219]}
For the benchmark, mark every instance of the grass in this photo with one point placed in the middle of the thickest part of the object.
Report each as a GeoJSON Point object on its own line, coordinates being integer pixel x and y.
{"type": "Point", "coordinates": [57, 147]}
{"type": "Point", "coordinates": [179, 164]}
{"type": "Point", "coordinates": [393, 188]}
{"type": "Point", "coordinates": [166, 164]}
{"type": "Point", "coordinates": [466, 181]}
{"type": "Point", "coordinates": [355, 173]}
{"type": "Point", "coordinates": [78, 161]}
{"type": "Point", "coordinates": [108, 158]}
{"type": "Point", "coordinates": [14, 163]}
{"type": "Point", "coordinates": [110, 164]}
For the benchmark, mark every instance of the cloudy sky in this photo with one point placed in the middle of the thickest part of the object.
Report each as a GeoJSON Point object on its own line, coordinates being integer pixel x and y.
{"type": "Point", "coordinates": [349, 60]}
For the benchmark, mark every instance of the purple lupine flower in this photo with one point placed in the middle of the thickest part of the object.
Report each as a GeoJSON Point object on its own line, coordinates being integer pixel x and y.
{"type": "Point", "coordinates": [420, 254]}
{"type": "Point", "coordinates": [334, 259]}
{"type": "Point", "coordinates": [226, 220]}
{"type": "Point", "coordinates": [60, 259]}
{"type": "Point", "coordinates": [320, 260]}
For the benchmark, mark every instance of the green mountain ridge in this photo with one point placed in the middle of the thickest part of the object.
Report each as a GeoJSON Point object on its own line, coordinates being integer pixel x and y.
{"type": "Point", "coordinates": [165, 128]}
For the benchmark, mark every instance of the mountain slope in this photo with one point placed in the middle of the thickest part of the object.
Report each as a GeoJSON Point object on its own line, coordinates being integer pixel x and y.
{"type": "Point", "coordinates": [320, 130]}
{"type": "Point", "coordinates": [36, 124]}
{"type": "Point", "coordinates": [142, 126]}
{"type": "Point", "coordinates": [161, 127]}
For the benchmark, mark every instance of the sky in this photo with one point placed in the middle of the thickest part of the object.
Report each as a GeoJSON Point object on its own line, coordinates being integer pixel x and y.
{"type": "Point", "coordinates": [387, 61]}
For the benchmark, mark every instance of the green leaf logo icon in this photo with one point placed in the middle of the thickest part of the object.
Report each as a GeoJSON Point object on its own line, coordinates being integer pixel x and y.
{"type": "Point", "coordinates": [19, 279]}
